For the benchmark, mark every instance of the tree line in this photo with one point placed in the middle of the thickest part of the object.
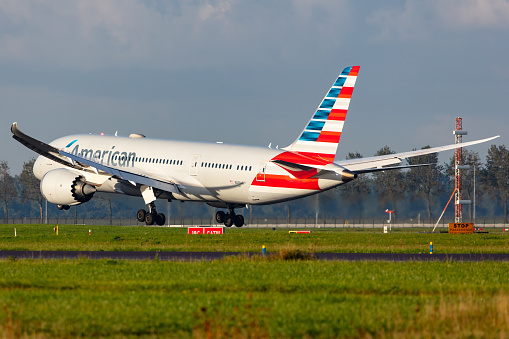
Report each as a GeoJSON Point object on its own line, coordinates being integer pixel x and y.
{"type": "Point", "coordinates": [415, 191]}
{"type": "Point", "coordinates": [429, 185]}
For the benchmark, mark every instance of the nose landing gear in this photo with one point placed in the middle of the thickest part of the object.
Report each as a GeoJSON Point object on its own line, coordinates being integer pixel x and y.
{"type": "Point", "coordinates": [151, 216]}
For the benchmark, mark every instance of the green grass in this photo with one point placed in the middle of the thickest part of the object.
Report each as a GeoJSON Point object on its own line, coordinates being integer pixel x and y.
{"type": "Point", "coordinates": [251, 298]}
{"type": "Point", "coordinates": [255, 298]}
{"type": "Point", "coordinates": [139, 238]}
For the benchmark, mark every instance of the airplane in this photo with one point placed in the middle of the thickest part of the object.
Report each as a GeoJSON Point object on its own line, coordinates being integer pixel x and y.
{"type": "Point", "coordinates": [73, 168]}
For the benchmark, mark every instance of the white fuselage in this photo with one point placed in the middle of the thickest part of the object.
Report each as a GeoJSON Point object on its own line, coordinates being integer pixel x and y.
{"type": "Point", "coordinates": [206, 172]}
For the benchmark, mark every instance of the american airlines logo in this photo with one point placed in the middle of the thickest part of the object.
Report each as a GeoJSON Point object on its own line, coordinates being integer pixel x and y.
{"type": "Point", "coordinates": [109, 157]}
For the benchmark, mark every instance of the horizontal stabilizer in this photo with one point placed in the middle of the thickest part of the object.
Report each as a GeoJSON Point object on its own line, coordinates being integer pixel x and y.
{"type": "Point", "coordinates": [301, 171]}
{"type": "Point", "coordinates": [297, 170]}
{"type": "Point", "coordinates": [293, 166]}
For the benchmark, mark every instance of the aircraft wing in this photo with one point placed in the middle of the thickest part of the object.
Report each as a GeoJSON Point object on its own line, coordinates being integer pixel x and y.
{"type": "Point", "coordinates": [314, 171]}
{"type": "Point", "coordinates": [79, 163]}
{"type": "Point", "coordinates": [41, 148]}
{"type": "Point", "coordinates": [132, 177]}
{"type": "Point", "coordinates": [373, 164]}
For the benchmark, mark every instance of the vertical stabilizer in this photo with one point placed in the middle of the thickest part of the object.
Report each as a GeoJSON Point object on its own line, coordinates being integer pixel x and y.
{"type": "Point", "coordinates": [321, 136]}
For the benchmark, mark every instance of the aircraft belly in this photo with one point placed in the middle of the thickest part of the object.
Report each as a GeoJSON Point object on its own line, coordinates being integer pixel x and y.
{"type": "Point", "coordinates": [225, 189]}
{"type": "Point", "coordinates": [266, 194]}
{"type": "Point", "coordinates": [237, 195]}
{"type": "Point", "coordinates": [195, 194]}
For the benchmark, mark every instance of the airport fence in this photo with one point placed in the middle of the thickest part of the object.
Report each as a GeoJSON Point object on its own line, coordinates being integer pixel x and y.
{"type": "Point", "coordinates": [261, 222]}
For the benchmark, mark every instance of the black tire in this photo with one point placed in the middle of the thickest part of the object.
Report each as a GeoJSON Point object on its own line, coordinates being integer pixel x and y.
{"type": "Point", "coordinates": [239, 220]}
{"type": "Point", "coordinates": [160, 219]}
{"type": "Point", "coordinates": [141, 215]}
{"type": "Point", "coordinates": [228, 220]}
{"type": "Point", "coordinates": [220, 217]}
{"type": "Point", "coordinates": [150, 218]}
{"type": "Point", "coordinates": [60, 207]}
{"type": "Point", "coordinates": [66, 207]}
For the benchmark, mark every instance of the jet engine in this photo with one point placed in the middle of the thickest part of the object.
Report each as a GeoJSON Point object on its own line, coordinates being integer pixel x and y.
{"type": "Point", "coordinates": [66, 188]}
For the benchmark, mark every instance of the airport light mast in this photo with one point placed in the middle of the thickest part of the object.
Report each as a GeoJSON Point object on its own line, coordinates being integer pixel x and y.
{"type": "Point", "coordinates": [458, 182]}
{"type": "Point", "coordinates": [458, 167]}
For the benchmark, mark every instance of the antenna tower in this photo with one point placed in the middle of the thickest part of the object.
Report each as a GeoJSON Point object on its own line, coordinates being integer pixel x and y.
{"type": "Point", "coordinates": [458, 181]}
{"type": "Point", "coordinates": [458, 166]}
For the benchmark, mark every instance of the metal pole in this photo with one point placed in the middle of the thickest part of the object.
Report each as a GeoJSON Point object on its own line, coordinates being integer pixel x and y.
{"type": "Point", "coordinates": [441, 215]}
{"type": "Point", "coordinates": [390, 222]}
{"type": "Point", "coordinates": [474, 197]}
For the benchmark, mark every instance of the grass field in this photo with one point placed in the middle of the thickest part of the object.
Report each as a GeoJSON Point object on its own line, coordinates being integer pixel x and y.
{"type": "Point", "coordinates": [251, 298]}
{"type": "Point", "coordinates": [139, 238]}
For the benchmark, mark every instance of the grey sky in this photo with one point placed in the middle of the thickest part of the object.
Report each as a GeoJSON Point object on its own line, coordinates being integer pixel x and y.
{"type": "Point", "coordinates": [253, 72]}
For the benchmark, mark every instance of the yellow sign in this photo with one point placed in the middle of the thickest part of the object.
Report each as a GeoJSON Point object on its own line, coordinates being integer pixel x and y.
{"type": "Point", "coordinates": [464, 227]}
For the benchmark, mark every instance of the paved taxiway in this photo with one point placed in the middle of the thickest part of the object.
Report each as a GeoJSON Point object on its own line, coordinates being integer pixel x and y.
{"type": "Point", "coordinates": [193, 256]}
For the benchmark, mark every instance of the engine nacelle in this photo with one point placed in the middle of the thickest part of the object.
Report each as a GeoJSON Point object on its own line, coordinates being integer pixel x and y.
{"type": "Point", "coordinates": [64, 187]}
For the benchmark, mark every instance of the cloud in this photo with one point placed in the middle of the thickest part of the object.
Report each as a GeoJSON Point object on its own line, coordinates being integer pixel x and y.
{"type": "Point", "coordinates": [87, 34]}
{"type": "Point", "coordinates": [473, 14]}
{"type": "Point", "coordinates": [417, 19]}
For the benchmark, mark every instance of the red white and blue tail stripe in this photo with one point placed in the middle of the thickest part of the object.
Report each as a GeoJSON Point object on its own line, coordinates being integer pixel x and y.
{"type": "Point", "coordinates": [321, 136]}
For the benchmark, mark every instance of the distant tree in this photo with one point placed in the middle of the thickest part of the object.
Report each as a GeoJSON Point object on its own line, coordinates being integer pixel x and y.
{"type": "Point", "coordinates": [30, 186]}
{"type": "Point", "coordinates": [426, 181]}
{"type": "Point", "coordinates": [473, 160]}
{"type": "Point", "coordinates": [108, 200]}
{"type": "Point", "coordinates": [7, 187]}
{"type": "Point", "coordinates": [496, 175]}
{"type": "Point", "coordinates": [356, 191]}
{"type": "Point", "coordinates": [389, 185]}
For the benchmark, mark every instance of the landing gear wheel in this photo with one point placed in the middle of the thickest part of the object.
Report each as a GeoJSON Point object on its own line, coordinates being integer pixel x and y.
{"type": "Point", "coordinates": [228, 220]}
{"type": "Point", "coordinates": [150, 218]}
{"type": "Point", "coordinates": [66, 207]}
{"type": "Point", "coordinates": [160, 219]}
{"type": "Point", "coordinates": [239, 220]}
{"type": "Point", "coordinates": [141, 215]}
{"type": "Point", "coordinates": [220, 217]}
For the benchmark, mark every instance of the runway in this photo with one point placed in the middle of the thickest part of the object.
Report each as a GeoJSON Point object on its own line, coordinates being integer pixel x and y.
{"type": "Point", "coordinates": [196, 256]}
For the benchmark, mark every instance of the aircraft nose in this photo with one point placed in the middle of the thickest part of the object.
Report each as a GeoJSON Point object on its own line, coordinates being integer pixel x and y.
{"type": "Point", "coordinates": [40, 167]}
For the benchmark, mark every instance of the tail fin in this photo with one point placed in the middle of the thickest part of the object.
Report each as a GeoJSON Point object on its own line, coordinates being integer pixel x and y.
{"type": "Point", "coordinates": [321, 136]}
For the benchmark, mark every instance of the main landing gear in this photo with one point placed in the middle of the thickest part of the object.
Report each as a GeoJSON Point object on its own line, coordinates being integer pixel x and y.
{"type": "Point", "coordinates": [151, 216]}
{"type": "Point", "coordinates": [230, 218]}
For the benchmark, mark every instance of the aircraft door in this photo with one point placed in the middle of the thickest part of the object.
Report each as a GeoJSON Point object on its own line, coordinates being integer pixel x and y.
{"type": "Point", "coordinates": [262, 165]}
{"type": "Point", "coordinates": [193, 167]}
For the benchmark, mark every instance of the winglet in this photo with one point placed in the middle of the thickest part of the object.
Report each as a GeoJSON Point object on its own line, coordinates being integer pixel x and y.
{"type": "Point", "coordinates": [40, 147]}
